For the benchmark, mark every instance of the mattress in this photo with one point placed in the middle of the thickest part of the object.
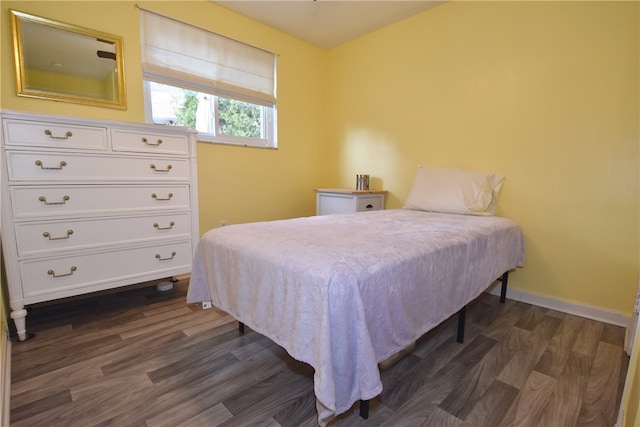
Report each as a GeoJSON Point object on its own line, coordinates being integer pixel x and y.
{"type": "Point", "coordinates": [344, 292]}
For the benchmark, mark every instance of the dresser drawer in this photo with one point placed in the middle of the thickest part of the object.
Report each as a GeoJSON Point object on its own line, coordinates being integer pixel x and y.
{"type": "Point", "coordinates": [76, 200]}
{"type": "Point", "coordinates": [47, 238]}
{"type": "Point", "coordinates": [31, 166]}
{"type": "Point", "coordinates": [52, 278]}
{"type": "Point", "coordinates": [54, 135]}
{"type": "Point", "coordinates": [125, 140]}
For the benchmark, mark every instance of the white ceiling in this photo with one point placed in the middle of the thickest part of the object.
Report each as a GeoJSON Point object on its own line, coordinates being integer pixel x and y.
{"type": "Point", "coordinates": [328, 23]}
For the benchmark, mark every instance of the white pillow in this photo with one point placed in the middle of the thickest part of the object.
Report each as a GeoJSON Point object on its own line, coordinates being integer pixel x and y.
{"type": "Point", "coordinates": [454, 191]}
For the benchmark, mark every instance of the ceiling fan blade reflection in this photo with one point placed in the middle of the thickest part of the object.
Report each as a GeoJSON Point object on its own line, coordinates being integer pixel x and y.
{"type": "Point", "coordinates": [107, 55]}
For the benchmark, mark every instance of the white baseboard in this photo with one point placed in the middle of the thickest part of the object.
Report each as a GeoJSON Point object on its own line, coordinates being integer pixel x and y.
{"type": "Point", "coordinates": [5, 377]}
{"type": "Point", "coordinates": [582, 310]}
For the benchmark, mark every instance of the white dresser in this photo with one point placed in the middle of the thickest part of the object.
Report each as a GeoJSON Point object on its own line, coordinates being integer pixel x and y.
{"type": "Point", "coordinates": [92, 205]}
{"type": "Point", "coordinates": [341, 200]}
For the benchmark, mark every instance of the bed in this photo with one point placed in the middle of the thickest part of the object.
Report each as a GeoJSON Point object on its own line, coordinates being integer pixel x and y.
{"type": "Point", "coordinates": [345, 292]}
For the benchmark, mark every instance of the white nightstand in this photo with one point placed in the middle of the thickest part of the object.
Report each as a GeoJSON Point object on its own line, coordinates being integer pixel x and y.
{"type": "Point", "coordinates": [339, 200]}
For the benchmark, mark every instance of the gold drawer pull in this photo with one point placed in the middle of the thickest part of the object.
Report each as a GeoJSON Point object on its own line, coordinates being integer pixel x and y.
{"type": "Point", "coordinates": [53, 273]}
{"type": "Point", "coordinates": [46, 234]}
{"type": "Point", "coordinates": [50, 135]}
{"type": "Point", "coordinates": [152, 166]}
{"type": "Point", "coordinates": [173, 254]}
{"type": "Point", "coordinates": [62, 164]}
{"type": "Point", "coordinates": [171, 224]}
{"type": "Point", "coordinates": [146, 141]}
{"type": "Point", "coordinates": [44, 199]}
{"type": "Point", "coordinates": [169, 196]}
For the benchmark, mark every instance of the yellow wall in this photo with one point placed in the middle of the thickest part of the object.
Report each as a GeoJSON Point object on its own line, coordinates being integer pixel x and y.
{"type": "Point", "coordinates": [68, 84]}
{"type": "Point", "coordinates": [235, 184]}
{"type": "Point", "coordinates": [545, 93]}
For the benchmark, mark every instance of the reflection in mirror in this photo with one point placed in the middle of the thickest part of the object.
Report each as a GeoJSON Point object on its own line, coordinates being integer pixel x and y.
{"type": "Point", "coordinates": [68, 63]}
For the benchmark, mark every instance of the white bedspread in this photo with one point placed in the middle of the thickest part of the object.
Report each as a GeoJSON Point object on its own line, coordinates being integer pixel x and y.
{"type": "Point", "coordinates": [344, 292]}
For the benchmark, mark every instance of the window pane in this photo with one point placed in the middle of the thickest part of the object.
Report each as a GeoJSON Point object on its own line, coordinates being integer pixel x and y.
{"type": "Point", "coordinates": [217, 119]}
{"type": "Point", "coordinates": [173, 105]}
{"type": "Point", "coordinates": [239, 118]}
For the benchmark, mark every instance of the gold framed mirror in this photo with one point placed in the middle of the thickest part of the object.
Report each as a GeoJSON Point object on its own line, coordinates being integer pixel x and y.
{"type": "Point", "coordinates": [65, 62]}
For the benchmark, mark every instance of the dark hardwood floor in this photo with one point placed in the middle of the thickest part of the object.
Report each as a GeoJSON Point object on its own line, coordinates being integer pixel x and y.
{"type": "Point", "coordinates": [144, 358]}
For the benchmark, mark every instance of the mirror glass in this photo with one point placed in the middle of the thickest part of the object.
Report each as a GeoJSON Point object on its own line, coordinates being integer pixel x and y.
{"type": "Point", "coordinates": [65, 62]}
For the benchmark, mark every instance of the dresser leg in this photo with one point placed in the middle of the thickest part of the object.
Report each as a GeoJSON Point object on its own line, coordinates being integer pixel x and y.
{"type": "Point", "coordinates": [20, 319]}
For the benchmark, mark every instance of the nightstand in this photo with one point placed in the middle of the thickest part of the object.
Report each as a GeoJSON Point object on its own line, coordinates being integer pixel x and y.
{"type": "Point", "coordinates": [339, 200]}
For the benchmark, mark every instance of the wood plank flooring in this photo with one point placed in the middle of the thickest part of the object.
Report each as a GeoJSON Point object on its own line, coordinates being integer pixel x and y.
{"type": "Point", "coordinates": [145, 358]}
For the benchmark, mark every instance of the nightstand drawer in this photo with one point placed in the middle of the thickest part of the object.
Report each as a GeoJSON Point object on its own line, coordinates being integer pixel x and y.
{"type": "Point", "coordinates": [342, 201]}
{"type": "Point", "coordinates": [373, 203]}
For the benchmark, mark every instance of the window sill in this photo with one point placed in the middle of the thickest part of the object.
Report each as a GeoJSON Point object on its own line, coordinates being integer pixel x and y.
{"type": "Point", "coordinates": [211, 140]}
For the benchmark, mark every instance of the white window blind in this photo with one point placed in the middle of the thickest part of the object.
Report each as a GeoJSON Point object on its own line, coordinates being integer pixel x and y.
{"type": "Point", "coordinates": [174, 52]}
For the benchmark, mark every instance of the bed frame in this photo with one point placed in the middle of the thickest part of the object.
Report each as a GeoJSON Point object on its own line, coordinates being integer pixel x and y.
{"type": "Point", "coordinates": [462, 316]}
{"type": "Point", "coordinates": [418, 269]}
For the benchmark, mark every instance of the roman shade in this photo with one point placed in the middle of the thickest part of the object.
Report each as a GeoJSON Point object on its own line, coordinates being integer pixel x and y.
{"type": "Point", "coordinates": [179, 54]}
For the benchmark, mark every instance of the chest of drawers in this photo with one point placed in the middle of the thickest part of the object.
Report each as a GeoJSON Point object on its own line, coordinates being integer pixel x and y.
{"type": "Point", "coordinates": [93, 205]}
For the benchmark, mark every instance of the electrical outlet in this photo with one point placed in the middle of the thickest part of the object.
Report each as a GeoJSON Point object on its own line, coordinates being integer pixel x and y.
{"type": "Point", "coordinates": [206, 305]}
{"type": "Point", "coordinates": [223, 223]}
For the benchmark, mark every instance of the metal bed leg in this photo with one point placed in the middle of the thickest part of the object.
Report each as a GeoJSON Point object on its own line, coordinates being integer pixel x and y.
{"type": "Point", "coordinates": [241, 328]}
{"type": "Point", "coordinates": [462, 314]}
{"type": "Point", "coordinates": [364, 409]}
{"type": "Point", "coordinates": [503, 291]}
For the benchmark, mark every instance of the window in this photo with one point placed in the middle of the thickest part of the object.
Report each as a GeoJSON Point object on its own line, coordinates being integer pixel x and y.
{"type": "Point", "coordinates": [223, 88]}
{"type": "Point", "coordinates": [216, 119]}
